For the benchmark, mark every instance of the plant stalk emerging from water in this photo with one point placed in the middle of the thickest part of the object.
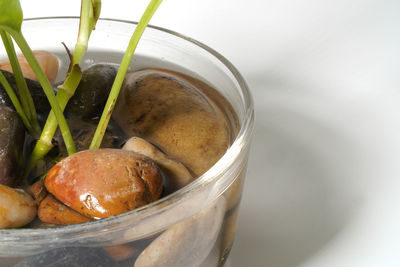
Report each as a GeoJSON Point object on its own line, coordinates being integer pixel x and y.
{"type": "Point", "coordinates": [28, 107]}
{"type": "Point", "coordinates": [126, 60]}
{"type": "Point", "coordinates": [10, 22]}
{"type": "Point", "coordinates": [90, 12]}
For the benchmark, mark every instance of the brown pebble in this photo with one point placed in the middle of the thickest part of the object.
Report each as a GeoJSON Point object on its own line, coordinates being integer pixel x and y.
{"type": "Point", "coordinates": [122, 252]}
{"type": "Point", "coordinates": [105, 182]}
{"type": "Point", "coordinates": [54, 212]}
{"type": "Point", "coordinates": [174, 112]}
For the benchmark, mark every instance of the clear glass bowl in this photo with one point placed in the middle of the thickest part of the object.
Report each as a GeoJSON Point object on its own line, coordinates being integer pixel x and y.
{"type": "Point", "coordinates": [196, 224]}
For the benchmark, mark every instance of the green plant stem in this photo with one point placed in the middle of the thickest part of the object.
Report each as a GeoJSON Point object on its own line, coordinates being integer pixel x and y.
{"type": "Point", "coordinates": [48, 90]}
{"type": "Point", "coordinates": [26, 99]}
{"type": "Point", "coordinates": [96, 13]}
{"type": "Point", "coordinates": [85, 28]}
{"type": "Point", "coordinates": [44, 144]}
{"type": "Point", "coordinates": [68, 88]}
{"type": "Point", "coordinates": [14, 99]}
{"type": "Point", "coordinates": [12, 57]}
{"type": "Point", "coordinates": [126, 60]}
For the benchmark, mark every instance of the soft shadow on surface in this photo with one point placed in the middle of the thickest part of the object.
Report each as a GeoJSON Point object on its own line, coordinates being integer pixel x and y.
{"type": "Point", "coordinates": [296, 198]}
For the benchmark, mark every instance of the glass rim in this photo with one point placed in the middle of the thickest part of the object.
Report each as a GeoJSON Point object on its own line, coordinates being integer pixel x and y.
{"type": "Point", "coordinates": [210, 176]}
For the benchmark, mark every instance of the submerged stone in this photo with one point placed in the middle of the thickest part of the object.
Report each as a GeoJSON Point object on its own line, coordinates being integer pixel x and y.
{"type": "Point", "coordinates": [12, 135]}
{"type": "Point", "coordinates": [67, 257]}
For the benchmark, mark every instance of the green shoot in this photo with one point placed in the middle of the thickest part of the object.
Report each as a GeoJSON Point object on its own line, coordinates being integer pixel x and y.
{"type": "Point", "coordinates": [26, 99]}
{"type": "Point", "coordinates": [10, 21]}
{"type": "Point", "coordinates": [86, 25]}
{"type": "Point", "coordinates": [112, 98]}
{"type": "Point", "coordinates": [48, 90]}
{"type": "Point", "coordinates": [14, 99]}
{"type": "Point", "coordinates": [90, 11]}
{"type": "Point", "coordinates": [96, 13]}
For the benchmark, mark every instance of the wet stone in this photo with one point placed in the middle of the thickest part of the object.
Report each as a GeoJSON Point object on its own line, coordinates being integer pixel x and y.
{"type": "Point", "coordinates": [39, 98]}
{"type": "Point", "coordinates": [92, 92]}
{"type": "Point", "coordinates": [187, 243]}
{"type": "Point", "coordinates": [83, 131]}
{"type": "Point", "coordinates": [12, 134]}
{"type": "Point", "coordinates": [99, 183]}
{"type": "Point", "coordinates": [172, 111]}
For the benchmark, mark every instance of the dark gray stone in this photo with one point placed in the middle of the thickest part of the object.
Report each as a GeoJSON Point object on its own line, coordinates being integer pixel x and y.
{"type": "Point", "coordinates": [12, 135]}
{"type": "Point", "coordinates": [39, 98]}
{"type": "Point", "coordinates": [92, 92]}
{"type": "Point", "coordinates": [68, 257]}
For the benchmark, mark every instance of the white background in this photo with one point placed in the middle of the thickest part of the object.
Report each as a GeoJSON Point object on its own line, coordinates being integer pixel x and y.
{"type": "Point", "coordinates": [323, 180]}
